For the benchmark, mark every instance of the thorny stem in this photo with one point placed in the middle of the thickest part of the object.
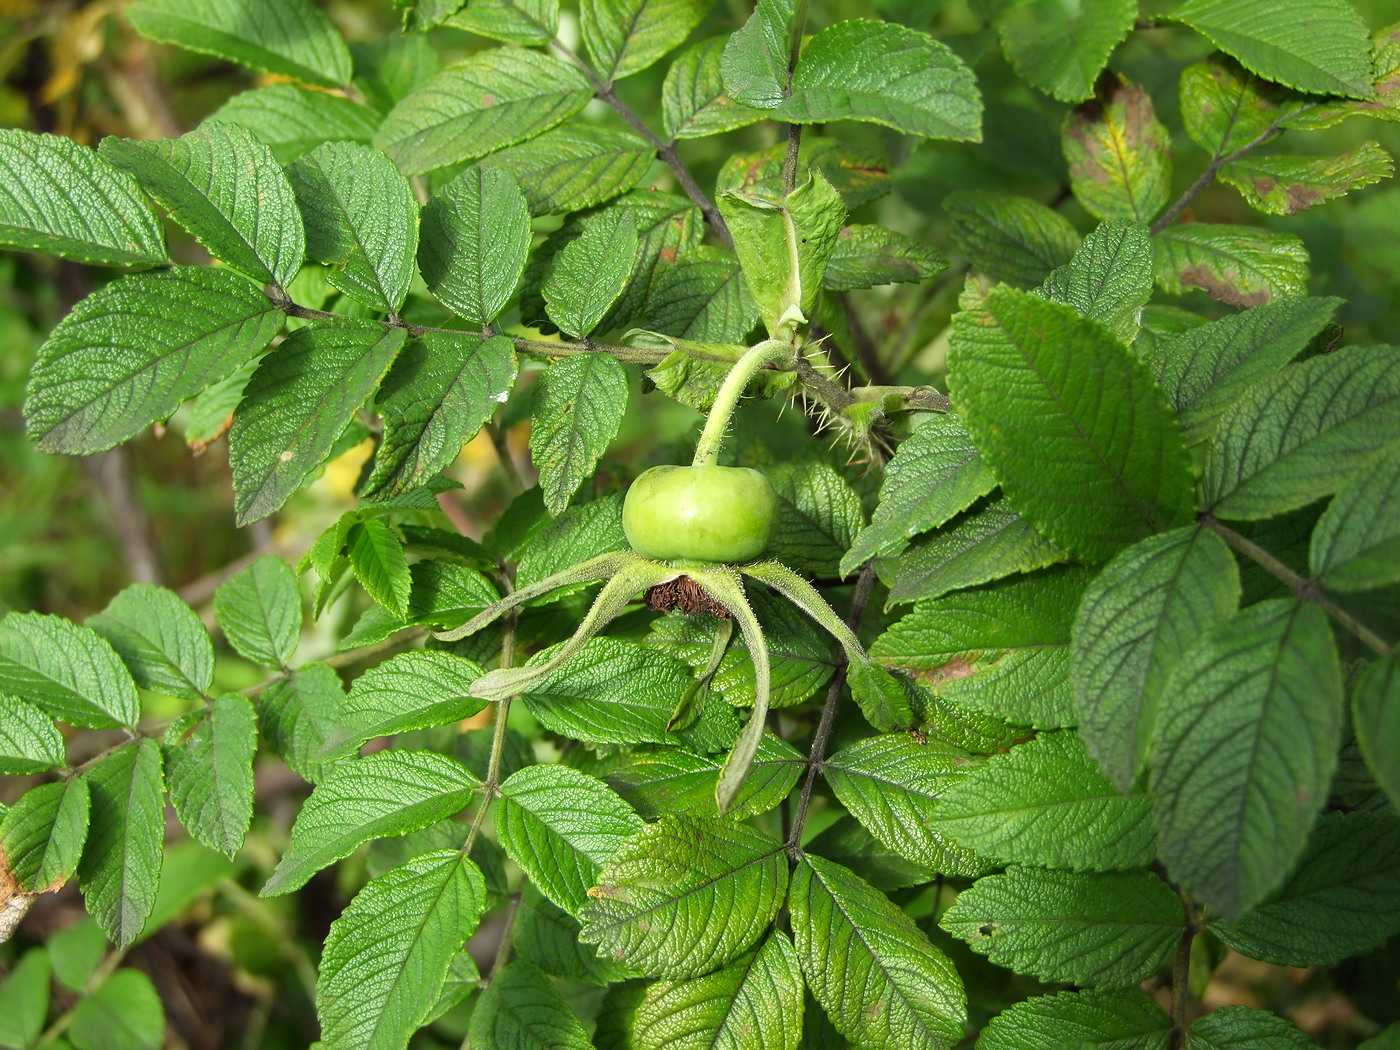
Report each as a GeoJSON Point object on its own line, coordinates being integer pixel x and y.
{"type": "Point", "coordinates": [1306, 590]}
{"type": "Point", "coordinates": [768, 352]}
{"type": "Point", "coordinates": [865, 583]}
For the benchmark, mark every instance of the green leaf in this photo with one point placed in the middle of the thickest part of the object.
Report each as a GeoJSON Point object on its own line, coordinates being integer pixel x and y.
{"type": "Point", "coordinates": [443, 595]}
{"type": "Point", "coordinates": [296, 405]}
{"type": "Point", "coordinates": [702, 296]}
{"type": "Point", "coordinates": [1356, 543]}
{"type": "Point", "coordinates": [43, 834]}
{"type": "Point", "coordinates": [784, 247]}
{"type": "Point", "coordinates": [1000, 649]}
{"type": "Point", "coordinates": [876, 71]}
{"type": "Point", "coordinates": [29, 741]}
{"type": "Point", "coordinates": [756, 1000]}
{"type": "Point", "coordinates": [581, 698]}
{"type": "Point", "coordinates": [510, 21]}
{"type": "Point", "coordinates": [1087, 1020]}
{"type": "Point", "coordinates": [1009, 238]}
{"type": "Point", "coordinates": [552, 545]}
{"type": "Point", "coordinates": [860, 175]}
{"type": "Point", "coordinates": [685, 895]}
{"type": "Point", "coordinates": [866, 256]}
{"type": "Point", "coordinates": [1206, 368]}
{"type": "Point", "coordinates": [660, 780]}
{"type": "Point", "coordinates": [377, 559]}
{"type": "Point", "coordinates": [73, 204]}
{"type": "Point", "coordinates": [24, 999]}
{"type": "Point", "coordinates": [984, 544]}
{"type": "Point", "coordinates": [293, 120]}
{"type": "Point", "coordinates": [521, 1010]}
{"type": "Point", "coordinates": [579, 404]}
{"type": "Point", "coordinates": [292, 38]}
{"type": "Point", "coordinates": [120, 869]}
{"type": "Point", "coordinates": [259, 611]}
{"type": "Point", "coordinates": [1225, 108]}
{"type": "Point", "coordinates": [1375, 714]}
{"type": "Point", "coordinates": [547, 935]}
{"type": "Point", "coordinates": [1285, 185]}
{"type": "Point", "coordinates": [576, 167]}
{"type": "Point", "coordinates": [1046, 803]}
{"type": "Point", "coordinates": [935, 473]}
{"type": "Point", "coordinates": [77, 951]}
{"type": "Point", "coordinates": [124, 1012]}
{"type": "Point", "coordinates": [443, 387]}
{"type": "Point", "coordinates": [1137, 619]}
{"type": "Point", "coordinates": [361, 218]}
{"type": "Point", "coordinates": [160, 639]}
{"type": "Point", "coordinates": [1061, 49]}
{"type": "Point", "coordinates": [1112, 929]}
{"type": "Point", "coordinates": [874, 972]}
{"type": "Point", "coordinates": [1383, 1040]}
{"type": "Point", "coordinates": [128, 354]}
{"type": "Point", "coordinates": [72, 672]}
{"type": "Point", "coordinates": [410, 691]}
{"type": "Point", "coordinates": [1265, 682]}
{"type": "Point", "coordinates": [694, 103]}
{"type": "Point", "coordinates": [387, 955]}
{"type": "Point", "coordinates": [1239, 265]}
{"type": "Point", "coordinates": [1239, 1027]}
{"type": "Point", "coordinates": [818, 516]}
{"type": "Point", "coordinates": [848, 843]}
{"type": "Point", "coordinates": [1325, 51]}
{"type": "Point", "coordinates": [210, 774]}
{"type": "Point", "coordinates": [561, 827]}
{"type": "Point", "coordinates": [893, 785]}
{"type": "Point", "coordinates": [590, 272]}
{"type": "Point", "coordinates": [756, 59]}
{"type": "Point", "coordinates": [625, 36]}
{"type": "Point", "coordinates": [1071, 423]}
{"type": "Point", "coordinates": [300, 715]}
{"type": "Point", "coordinates": [476, 234]}
{"type": "Point", "coordinates": [1303, 434]}
{"type": "Point", "coordinates": [387, 793]}
{"type": "Point", "coordinates": [1342, 898]}
{"type": "Point", "coordinates": [490, 99]}
{"type": "Point", "coordinates": [224, 187]}
{"type": "Point", "coordinates": [1109, 280]}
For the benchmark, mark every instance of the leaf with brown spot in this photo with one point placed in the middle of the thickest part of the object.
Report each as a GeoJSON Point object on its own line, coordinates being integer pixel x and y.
{"type": "Point", "coordinates": [1117, 150]}
{"type": "Point", "coordinates": [1285, 185]}
{"type": "Point", "coordinates": [1239, 265]}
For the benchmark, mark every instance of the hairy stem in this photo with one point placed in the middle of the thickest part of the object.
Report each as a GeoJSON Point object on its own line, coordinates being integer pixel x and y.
{"type": "Point", "coordinates": [1181, 973]}
{"type": "Point", "coordinates": [768, 352]}
{"type": "Point", "coordinates": [865, 583]}
{"type": "Point", "coordinates": [1305, 589]}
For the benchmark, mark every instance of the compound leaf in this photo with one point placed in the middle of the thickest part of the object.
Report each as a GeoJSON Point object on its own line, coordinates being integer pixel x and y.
{"type": "Point", "coordinates": [160, 639]}
{"type": "Point", "coordinates": [259, 611]}
{"type": "Point", "coordinates": [1109, 280]}
{"type": "Point", "coordinates": [874, 972]}
{"type": "Point", "coordinates": [1138, 616]}
{"type": "Point", "coordinates": [128, 354]}
{"type": "Point", "coordinates": [298, 403]}
{"type": "Point", "coordinates": [210, 774]}
{"type": "Point", "coordinates": [561, 826]}
{"type": "Point", "coordinates": [1112, 929]}
{"type": "Point", "coordinates": [120, 868]}
{"type": "Point", "coordinates": [579, 403]}
{"type": "Point", "coordinates": [63, 199]}
{"type": "Point", "coordinates": [361, 218]}
{"type": "Point", "coordinates": [1071, 422]}
{"type": "Point", "coordinates": [1266, 682]}
{"type": "Point", "coordinates": [292, 38]}
{"type": "Point", "coordinates": [684, 895]}
{"type": "Point", "coordinates": [387, 956]}
{"type": "Point", "coordinates": [490, 99]}
{"type": "Point", "coordinates": [300, 715]}
{"type": "Point", "coordinates": [590, 272]}
{"type": "Point", "coordinates": [224, 187]}
{"type": "Point", "coordinates": [410, 691]}
{"type": "Point", "coordinates": [387, 793]}
{"type": "Point", "coordinates": [72, 672]}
